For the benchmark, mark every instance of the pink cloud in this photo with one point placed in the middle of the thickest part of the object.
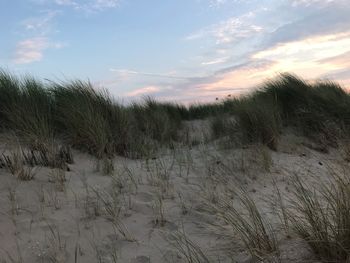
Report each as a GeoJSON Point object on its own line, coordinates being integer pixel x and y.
{"type": "Point", "coordinates": [32, 49]}
{"type": "Point", "coordinates": [143, 91]}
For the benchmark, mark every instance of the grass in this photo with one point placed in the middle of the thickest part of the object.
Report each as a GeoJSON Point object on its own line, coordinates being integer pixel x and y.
{"type": "Point", "coordinates": [223, 126]}
{"type": "Point", "coordinates": [259, 121]}
{"type": "Point", "coordinates": [158, 121]}
{"type": "Point", "coordinates": [189, 251]}
{"type": "Point", "coordinates": [27, 111]}
{"type": "Point", "coordinates": [321, 216]}
{"type": "Point", "coordinates": [90, 119]}
{"type": "Point", "coordinates": [321, 108]}
{"type": "Point", "coordinates": [15, 163]}
{"type": "Point", "coordinates": [51, 118]}
{"type": "Point", "coordinates": [251, 226]}
{"type": "Point", "coordinates": [318, 110]}
{"type": "Point", "coordinates": [74, 113]}
{"type": "Point", "coordinates": [9, 89]}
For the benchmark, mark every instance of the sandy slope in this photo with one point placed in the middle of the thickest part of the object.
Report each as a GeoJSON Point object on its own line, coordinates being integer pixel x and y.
{"type": "Point", "coordinates": [46, 222]}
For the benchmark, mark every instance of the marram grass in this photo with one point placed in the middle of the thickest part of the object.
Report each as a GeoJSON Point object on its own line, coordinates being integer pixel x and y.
{"type": "Point", "coordinates": [76, 113]}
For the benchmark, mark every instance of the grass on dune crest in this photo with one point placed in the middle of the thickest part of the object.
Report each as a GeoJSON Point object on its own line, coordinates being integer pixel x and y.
{"type": "Point", "coordinates": [259, 121]}
{"type": "Point", "coordinates": [26, 110]}
{"type": "Point", "coordinates": [159, 121]}
{"type": "Point", "coordinates": [90, 119]}
{"type": "Point", "coordinates": [9, 90]}
{"type": "Point", "coordinates": [319, 110]}
{"type": "Point", "coordinates": [31, 115]}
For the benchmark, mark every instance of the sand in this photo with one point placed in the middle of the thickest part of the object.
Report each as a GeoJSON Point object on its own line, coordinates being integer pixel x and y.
{"type": "Point", "coordinates": [151, 201]}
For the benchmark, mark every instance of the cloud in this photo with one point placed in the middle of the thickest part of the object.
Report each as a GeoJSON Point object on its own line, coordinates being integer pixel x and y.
{"type": "Point", "coordinates": [148, 90]}
{"type": "Point", "coordinates": [313, 2]}
{"type": "Point", "coordinates": [89, 5]}
{"type": "Point", "coordinates": [229, 31]}
{"type": "Point", "coordinates": [215, 61]}
{"type": "Point", "coordinates": [31, 49]}
{"type": "Point", "coordinates": [342, 60]}
{"type": "Point", "coordinates": [319, 21]}
{"type": "Point", "coordinates": [67, 3]}
{"type": "Point", "coordinates": [216, 3]}
{"type": "Point", "coordinates": [219, 3]}
{"type": "Point", "coordinates": [314, 41]}
{"type": "Point", "coordinates": [233, 80]}
{"type": "Point", "coordinates": [312, 58]}
{"type": "Point", "coordinates": [316, 47]}
{"type": "Point", "coordinates": [40, 25]}
{"type": "Point", "coordinates": [125, 72]}
{"type": "Point", "coordinates": [36, 33]}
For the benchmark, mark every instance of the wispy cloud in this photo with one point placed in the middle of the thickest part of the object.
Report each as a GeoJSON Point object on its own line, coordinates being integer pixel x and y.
{"type": "Point", "coordinates": [219, 3]}
{"type": "Point", "coordinates": [342, 60]}
{"type": "Point", "coordinates": [30, 50]}
{"type": "Point", "coordinates": [313, 2]}
{"type": "Point", "coordinates": [311, 57]}
{"type": "Point", "coordinates": [310, 48]}
{"type": "Point", "coordinates": [263, 38]}
{"type": "Point", "coordinates": [215, 61]}
{"type": "Point", "coordinates": [36, 40]}
{"type": "Point", "coordinates": [89, 5]}
{"type": "Point", "coordinates": [319, 20]}
{"type": "Point", "coordinates": [229, 40]}
{"type": "Point", "coordinates": [41, 25]}
{"type": "Point", "coordinates": [230, 30]}
{"type": "Point", "coordinates": [313, 42]}
{"type": "Point", "coordinates": [148, 90]}
{"type": "Point", "coordinates": [215, 3]}
{"type": "Point", "coordinates": [125, 72]}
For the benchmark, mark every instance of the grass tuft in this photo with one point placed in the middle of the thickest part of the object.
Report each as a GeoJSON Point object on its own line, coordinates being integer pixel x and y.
{"type": "Point", "coordinates": [251, 226]}
{"type": "Point", "coordinates": [90, 119]}
{"type": "Point", "coordinates": [321, 216]}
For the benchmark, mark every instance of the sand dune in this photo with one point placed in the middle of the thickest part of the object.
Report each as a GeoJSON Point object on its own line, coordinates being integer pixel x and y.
{"type": "Point", "coordinates": [146, 209]}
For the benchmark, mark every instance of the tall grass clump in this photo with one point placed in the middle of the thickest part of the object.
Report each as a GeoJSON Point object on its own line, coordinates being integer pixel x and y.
{"type": "Point", "coordinates": [27, 111]}
{"type": "Point", "coordinates": [90, 119]}
{"type": "Point", "coordinates": [204, 110]}
{"type": "Point", "coordinates": [320, 108]}
{"type": "Point", "coordinates": [158, 121]}
{"type": "Point", "coordinates": [223, 125]}
{"type": "Point", "coordinates": [321, 216]}
{"type": "Point", "coordinates": [259, 120]}
{"type": "Point", "coordinates": [249, 223]}
{"type": "Point", "coordinates": [9, 90]}
{"type": "Point", "coordinates": [30, 114]}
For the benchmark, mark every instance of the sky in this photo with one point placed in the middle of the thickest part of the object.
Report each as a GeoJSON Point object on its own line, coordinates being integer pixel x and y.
{"type": "Point", "coordinates": [176, 50]}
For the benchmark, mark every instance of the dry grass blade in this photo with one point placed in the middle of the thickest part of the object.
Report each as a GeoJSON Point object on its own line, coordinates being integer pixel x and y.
{"type": "Point", "coordinates": [190, 251]}
{"type": "Point", "coordinates": [322, 217]}
{"type": "Point", "coordinates": [255, 232]}
{"type": "Point", "coordinates": [112, 206]}
{"type": "Point", "coordinates": [16, 166]}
